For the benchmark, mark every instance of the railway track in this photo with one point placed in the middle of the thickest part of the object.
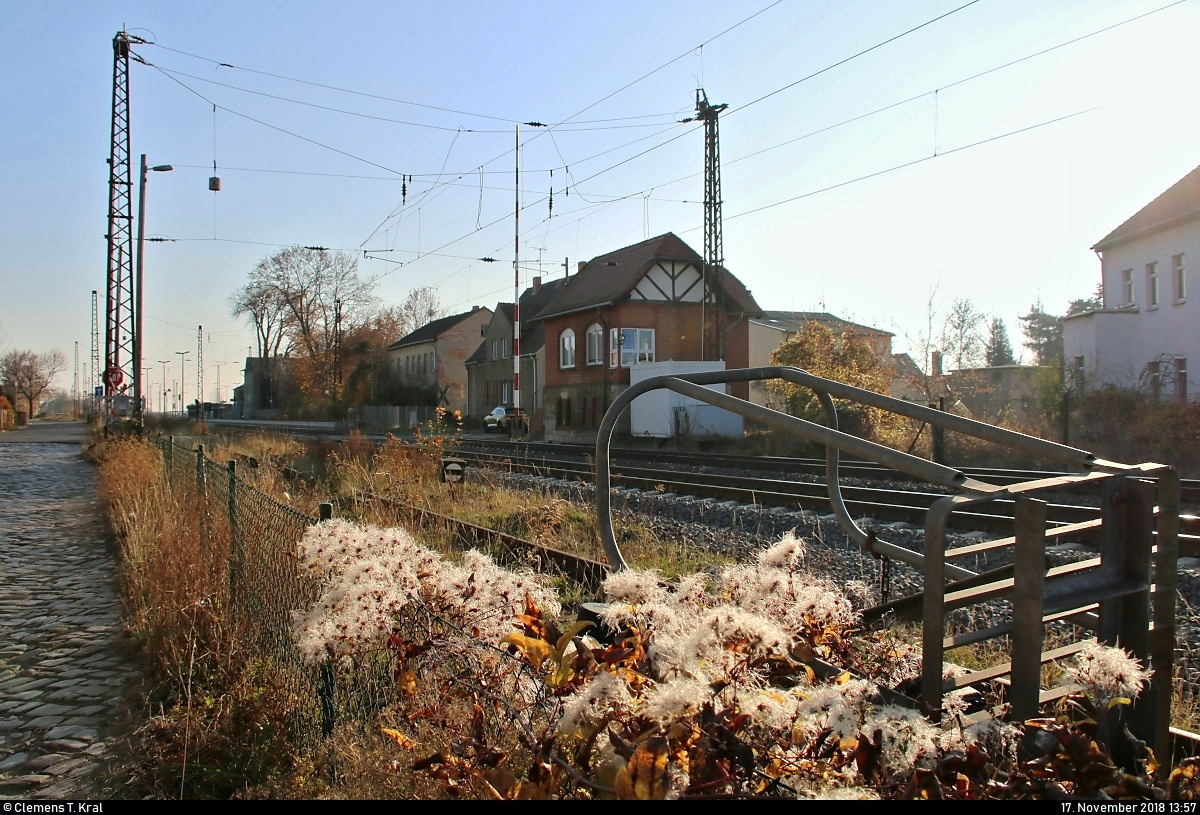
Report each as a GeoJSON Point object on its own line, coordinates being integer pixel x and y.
{"type": "Point", "coordinates": [768, 481]}
{"type": "Point", "coordinates": [883, 503]}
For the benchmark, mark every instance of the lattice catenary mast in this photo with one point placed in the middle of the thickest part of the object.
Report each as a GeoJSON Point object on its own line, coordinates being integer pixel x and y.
{"type": "Point", "coordinates": [94, 375]}
{"type": "Point", "coordinates": [119, 326]}
{"type": "Point", "coordinates": [714, 249]}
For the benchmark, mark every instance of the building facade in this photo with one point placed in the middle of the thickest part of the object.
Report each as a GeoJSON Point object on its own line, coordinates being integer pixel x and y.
{"type": "Point", "coordinates": [654, 301]}
{"type": "Point", "coordinates": [435, 355]}
{"type": "Point", "coordinates": [490, 369]}
{"type": "Point", "coordinates": [1148, 328]}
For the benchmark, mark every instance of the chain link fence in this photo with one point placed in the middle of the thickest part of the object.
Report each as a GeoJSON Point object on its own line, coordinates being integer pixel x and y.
{"type": "Point", "coordinates": [258, 538]}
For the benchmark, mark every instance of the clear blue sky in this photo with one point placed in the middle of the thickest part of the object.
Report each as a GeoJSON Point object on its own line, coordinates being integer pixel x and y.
{"type": "Point", "coordinates": [327, 105]}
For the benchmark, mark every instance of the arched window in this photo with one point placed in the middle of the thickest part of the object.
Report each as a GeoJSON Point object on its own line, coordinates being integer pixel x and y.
{"type": "Point", "coordinates": [566, 349]}
{"type": "Point", "coordinates": [595, 344]}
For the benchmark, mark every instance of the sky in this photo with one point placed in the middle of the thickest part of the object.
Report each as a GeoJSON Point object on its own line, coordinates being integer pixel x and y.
{"type": "Point", "coordinates": [879, 159]}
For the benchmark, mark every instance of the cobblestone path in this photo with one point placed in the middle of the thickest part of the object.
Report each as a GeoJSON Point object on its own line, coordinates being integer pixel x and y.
{"type": "Point", "coordinates": [63, 671]}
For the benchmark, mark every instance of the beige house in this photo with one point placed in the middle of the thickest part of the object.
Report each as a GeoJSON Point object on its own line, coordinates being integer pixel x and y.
{"type": "Point", "coordinates": [435, 354]}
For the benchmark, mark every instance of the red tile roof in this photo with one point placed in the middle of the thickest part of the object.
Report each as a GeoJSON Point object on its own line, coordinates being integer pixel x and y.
{"type": "Point", "coordinates": [610, 278]}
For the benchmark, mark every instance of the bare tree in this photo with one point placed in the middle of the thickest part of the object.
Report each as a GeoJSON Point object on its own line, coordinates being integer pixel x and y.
{"type": "Point", "coordinates": [260, 302]}
{"type": "Point", "coordinates": [421, 308]}
{"type": "Point", "coordinates": [303, 301]}
{"type": "Point", "coordinates": [963, 344]}
{"type": "Point", "coordinates": [30, 374]}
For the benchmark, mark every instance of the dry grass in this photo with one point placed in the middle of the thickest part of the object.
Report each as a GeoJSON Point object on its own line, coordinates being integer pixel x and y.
{"type": "Point", "coordinates": [218, 718]}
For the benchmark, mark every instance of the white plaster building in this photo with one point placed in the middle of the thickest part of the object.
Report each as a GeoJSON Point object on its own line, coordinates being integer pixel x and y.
{"type": "Point", "coordinates": [1148, 328]}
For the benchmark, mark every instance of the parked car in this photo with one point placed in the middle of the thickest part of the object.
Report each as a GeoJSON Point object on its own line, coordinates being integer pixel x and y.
{"type": "Point", "coordinates": [500, 417]}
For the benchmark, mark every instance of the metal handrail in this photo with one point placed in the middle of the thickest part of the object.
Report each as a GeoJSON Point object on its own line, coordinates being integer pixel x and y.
{"type": "Point", "coordinates": [835, 441]}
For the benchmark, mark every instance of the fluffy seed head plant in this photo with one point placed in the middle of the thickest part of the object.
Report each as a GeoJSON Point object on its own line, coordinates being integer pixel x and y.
{"type": "Point", "coordinates": [1107, 674]}
{"type": "Point", "coordinates": [372, 576]}
{"type": "Point", "coordinates": [908, 740]}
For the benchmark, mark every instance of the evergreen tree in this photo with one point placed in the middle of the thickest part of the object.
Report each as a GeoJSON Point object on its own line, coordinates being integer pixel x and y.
{"type": "Point", "coordinates": [1092, 303]}
{"type": "Point", "coordinates": [999, 350]}
{"type": "Point", "coordinates": [1043, 334]}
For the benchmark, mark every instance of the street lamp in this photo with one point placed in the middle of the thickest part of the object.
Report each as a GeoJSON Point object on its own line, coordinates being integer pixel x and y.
{"type": "Point", "coordinates": [142, 404]}
{"type": "Point", "coordinates": [137, 306]}
{"type": "Point", "coordinates": [164, 362]}
{"type": "Point", "coordinates": [182, 379]}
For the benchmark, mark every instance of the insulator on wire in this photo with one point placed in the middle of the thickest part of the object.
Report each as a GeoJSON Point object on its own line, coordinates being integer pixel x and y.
{"type": "Point", "coordinates": [551, 201]}
{"type": "Point", "coordinates": [403, 192]}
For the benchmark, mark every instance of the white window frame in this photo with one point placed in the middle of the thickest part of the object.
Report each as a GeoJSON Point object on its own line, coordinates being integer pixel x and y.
{"type": "Point", "coordinates": [1180, 377]}
{"type": "Point", "coordinates": [1179, 273]}
{"type": "Point", "coordinates": [566, 349]}
{"type": "Point", "coordinates": [627, 346]}
{"type": "Point", "coordinates": [595, 344]}
{"type": "Point", "coordinates": [1152, 284]}
{"type": "Point", "coordinates": [1127, 284]}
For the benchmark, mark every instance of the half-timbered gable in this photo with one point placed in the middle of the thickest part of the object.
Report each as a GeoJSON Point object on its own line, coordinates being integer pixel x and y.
{"type": "Point", "coordinates": [678, 281]}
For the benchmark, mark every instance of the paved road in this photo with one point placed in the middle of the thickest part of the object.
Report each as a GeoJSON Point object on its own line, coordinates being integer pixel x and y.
{"type": "Point", "coordinates": [64, 670]}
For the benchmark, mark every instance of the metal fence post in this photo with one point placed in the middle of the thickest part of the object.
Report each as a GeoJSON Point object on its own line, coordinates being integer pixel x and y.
{"type": "Point", "coordinates": [326, 690]}
{"type": "Point", "coordinates": [235, 549]}
{"type": "Point", "coordinates": [200, 469]}
{"type": "Point", "coordinates": [1028, 632]}
{"type": "Point", "coordinates": [170, 458]}
{"type": "Point", "coordinates": [938, 453]}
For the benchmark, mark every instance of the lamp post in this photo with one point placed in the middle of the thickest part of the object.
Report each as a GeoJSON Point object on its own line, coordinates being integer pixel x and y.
{"type": "Point", "coordinates": [182, 379]}
{"type": "Point", "coordinates": [137, 306]}
{"type": "Point", "coordinates": [163, 404]}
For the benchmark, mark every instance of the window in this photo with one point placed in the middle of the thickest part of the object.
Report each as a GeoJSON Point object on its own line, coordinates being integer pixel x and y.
{"type": "Point", "coordinates": [505, 388]}
{"type": "Point", "coordinates": [595, 344]}
{"type": "Point", "coordinates": [504, 349]}
{"type": "Point", "coordinates": [1154, 375]}
{"type": "Point", "coordinates": [1178, 275]}
{"type": "Point", "coordinates": [495, 349]}
{"type": "Point", "coordinates": [1181, 389]}
{"type": "Point", "coordinates": [1127, 283]}
{"type": "Point", "coordinates": [630, 346]}
{"type": "Point", "coordinates": [1152, 284]}
{"type": "Point", "coordinates": [566, 349]}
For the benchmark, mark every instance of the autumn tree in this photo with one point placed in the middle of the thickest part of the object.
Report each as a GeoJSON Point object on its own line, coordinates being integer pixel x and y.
{"type": "Point", "coordinates": [365, 348]}
{"type": "Point", "coordinates": [29, 374]}
{"type": "Point", "coordinates": [998, 350]}
{"type": "Point", "coordinates": [845, 358]}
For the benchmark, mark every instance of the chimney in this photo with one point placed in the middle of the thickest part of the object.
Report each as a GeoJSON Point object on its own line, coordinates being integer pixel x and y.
{"type": "Point", "coordinates": [537, 284]}
{"type": "Point", "coordinates": [582, 263]}
{"type": "Point", "coordinates": [474, 309]}
{"type": "Point", "coordinates": [935, 363]}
